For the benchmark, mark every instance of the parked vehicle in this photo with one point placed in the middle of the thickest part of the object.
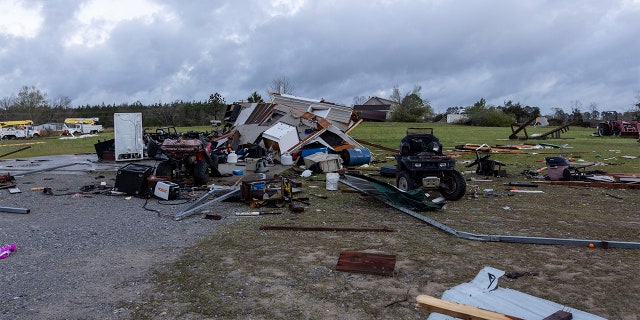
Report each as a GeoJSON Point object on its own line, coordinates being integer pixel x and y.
{"type": "Point", "coordinates": [18, 129]}
{"type": "Point", "coordinates": [421, 164]}
{"type": "Point", "coordinates": [190, 155]}
{"type": "Point", "coordinates": [82, 126]}
{"type": "Point", "coordinates": [613, 126]}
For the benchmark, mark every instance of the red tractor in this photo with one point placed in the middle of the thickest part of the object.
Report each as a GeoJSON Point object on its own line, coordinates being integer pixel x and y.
{"type": "Point", "coordinates": [612, 126]}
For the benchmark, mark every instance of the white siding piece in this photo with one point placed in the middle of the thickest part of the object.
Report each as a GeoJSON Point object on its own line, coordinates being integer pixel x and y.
{"type": "Point", "coordinates": [245, 112]}
{"type": "Point", "coordinates": [506, 301]}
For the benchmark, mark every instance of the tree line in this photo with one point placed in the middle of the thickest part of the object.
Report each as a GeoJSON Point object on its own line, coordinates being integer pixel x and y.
{"type": "Point", "coordinates": [32, 104]}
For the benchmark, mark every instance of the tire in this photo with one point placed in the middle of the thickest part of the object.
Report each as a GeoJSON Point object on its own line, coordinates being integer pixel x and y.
{"type": "Point", "coordinates": [604, 130]}
{"type": "Point", "coordinates": [152, 149]}
{"type": "Point", "coordinates": [452, 185]}
{"type": "Point", "coordinates": [405, 182]}
{"type": "Point", "coordinates": [200, 173]}
{"type": "Point", "coordinates": [165, 169]}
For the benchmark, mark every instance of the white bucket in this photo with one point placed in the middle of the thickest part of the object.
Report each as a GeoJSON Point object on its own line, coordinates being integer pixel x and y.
{"type": "Point", "coordinates": [286, 159]}
{"type": "Point", "coordinates": [232, 157]}
{"type": "Point", "coordinates": [332, 180]}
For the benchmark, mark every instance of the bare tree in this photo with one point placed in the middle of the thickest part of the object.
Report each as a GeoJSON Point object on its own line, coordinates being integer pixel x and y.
{"type": "Point", "coordinates": [593, 109]}
{"type": "Point", "coordinates": [29, 100]}
{"type": "Point", "coordinates": [359, 100]}
{"type": "Point", "coordinates": [281, 85]}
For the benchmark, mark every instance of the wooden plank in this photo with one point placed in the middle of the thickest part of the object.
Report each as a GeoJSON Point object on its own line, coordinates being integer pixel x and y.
{"type": "Point", "coordinates": [348, 229]}
{"type": "Point", "coordinates": [379, 146]}
{"type": "Point", "coordinates": [363, 262]}
{"type": "Point", "coordinates": [612, 185]}
{"type": "Point", "coordinates": [459, 310]}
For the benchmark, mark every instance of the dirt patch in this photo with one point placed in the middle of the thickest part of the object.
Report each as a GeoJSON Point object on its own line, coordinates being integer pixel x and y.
{"type": "Point", "coordinates": [244, 272]}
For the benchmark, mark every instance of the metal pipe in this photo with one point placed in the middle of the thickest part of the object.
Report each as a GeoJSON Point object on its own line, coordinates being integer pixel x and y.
{"type": "Point", "coordinates": [593, 243]}
{"type": "Point", "coordinates": [14, 210]}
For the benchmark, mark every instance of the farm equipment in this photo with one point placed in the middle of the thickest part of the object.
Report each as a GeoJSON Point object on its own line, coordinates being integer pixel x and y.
{"type": "Point", "coordinates": [613, 126]}
{"type": "Point", "coordinates": [190, 155]}
{"type": "Point", "coordinates": [421, 164]}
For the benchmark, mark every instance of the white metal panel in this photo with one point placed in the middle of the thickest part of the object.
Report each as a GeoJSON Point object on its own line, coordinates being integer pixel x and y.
{"type": "Point", "coordinates": [128, 136]}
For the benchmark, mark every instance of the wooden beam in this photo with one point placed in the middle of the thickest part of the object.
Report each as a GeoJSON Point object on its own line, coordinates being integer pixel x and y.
{"type": "Point", "coordinates": [560, 315]}
{"type": "Point", "coordinates": [612, 185]}
{"type": "Point", "coordinates": [348, 229]}
{"type": "Point", "coordinates": [379, 146]}
{"type": "Point", "coordinates": [459, 310]}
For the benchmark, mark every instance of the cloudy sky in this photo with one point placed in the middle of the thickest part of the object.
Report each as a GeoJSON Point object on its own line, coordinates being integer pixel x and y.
{"type": "Point", "coordinates": [540, 53]}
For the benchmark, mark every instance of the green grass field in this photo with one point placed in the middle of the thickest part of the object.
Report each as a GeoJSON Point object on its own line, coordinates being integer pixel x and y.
{"type": "Point", "coordinates": [577, 143]}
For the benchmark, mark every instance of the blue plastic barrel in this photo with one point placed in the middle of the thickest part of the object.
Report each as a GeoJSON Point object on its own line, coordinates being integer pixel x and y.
{"type": "Point", "coordinates": [356, 157]}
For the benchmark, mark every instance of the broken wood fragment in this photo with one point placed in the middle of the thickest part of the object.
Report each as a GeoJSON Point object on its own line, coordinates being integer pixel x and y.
{"type": "Point", "coordinates": [364, 262]}
{"type": "Point", "coordinates": [560, 315]}
{"type": "Point", "coordinates": [459, 310]}
{"type": "Point", "coordinates": [347, 229]}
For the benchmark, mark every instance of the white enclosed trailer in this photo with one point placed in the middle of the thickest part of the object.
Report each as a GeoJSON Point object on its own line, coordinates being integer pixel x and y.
{"type": "Point", "coordinates": [128, 138]}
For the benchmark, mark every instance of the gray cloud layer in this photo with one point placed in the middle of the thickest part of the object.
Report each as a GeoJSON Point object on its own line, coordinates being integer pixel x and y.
{"type": "Point", "coordinates": [539, 53]}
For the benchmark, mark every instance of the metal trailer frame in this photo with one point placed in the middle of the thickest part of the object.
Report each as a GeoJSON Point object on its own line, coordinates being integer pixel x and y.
{"type": "Point", "coordinates": [605, 244]}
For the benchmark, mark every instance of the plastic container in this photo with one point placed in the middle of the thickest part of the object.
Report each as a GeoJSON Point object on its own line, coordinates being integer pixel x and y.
{"type": "Point", "coordinates": [308, 152]}
{"type": "Point", "coordinates": [286, 159]}
{"type": "Point", "coordinates": [332, 180]}
{"type": "Point", "coordinates": [356, 157]}
{"type": "Point", "coordinates": [232, 157]}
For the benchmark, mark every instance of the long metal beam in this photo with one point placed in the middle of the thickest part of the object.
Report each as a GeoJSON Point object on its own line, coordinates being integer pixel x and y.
{"type": "Point", "coordinates": [199, 204]}
{"type": "Point", "coordinates": [593, 243]}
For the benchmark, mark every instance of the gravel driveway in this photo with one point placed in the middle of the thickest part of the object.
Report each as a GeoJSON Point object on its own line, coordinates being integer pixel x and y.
{"type": "Point", "coordinates": [79, 254]}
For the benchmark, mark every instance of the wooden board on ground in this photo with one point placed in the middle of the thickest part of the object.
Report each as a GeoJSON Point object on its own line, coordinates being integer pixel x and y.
{"type": "Point", "coordinates": [363, 262]}
{"type": "Point", "coordinates": [459, 310]}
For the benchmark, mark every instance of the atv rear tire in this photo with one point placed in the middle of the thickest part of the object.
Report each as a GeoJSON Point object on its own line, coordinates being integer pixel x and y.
{"type": "Point", "coordinates": [152, 149]}
{"type": "Point", "coordinates": [452, 185]}
{"type": "Point", "coordinates": [200, 173]}
{"type": "Point", "coordinates": [405, 182]}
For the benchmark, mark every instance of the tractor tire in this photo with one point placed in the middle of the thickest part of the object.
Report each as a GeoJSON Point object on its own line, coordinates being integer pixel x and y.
{"type": "Point", "coordinates": [405, 182]}
{"type": "Point", "coordinates": [200, 173]}
{"type": "Point", "coordinates": [165, 169]}
{"type": "Point", "coordinates": [452, 185]}
{"type": "Point", "coordinates": [604, 130]}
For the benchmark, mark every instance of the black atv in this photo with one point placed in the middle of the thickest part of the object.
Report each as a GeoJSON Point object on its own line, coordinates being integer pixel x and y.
{"type": "Point", "coordinates": [421, 164]}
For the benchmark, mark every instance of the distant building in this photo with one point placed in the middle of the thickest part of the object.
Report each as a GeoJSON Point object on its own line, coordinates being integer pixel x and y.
{"type": "Point", "coordinates": [457, 118]}
{"type": "Point", "coordinates": [376, 109]}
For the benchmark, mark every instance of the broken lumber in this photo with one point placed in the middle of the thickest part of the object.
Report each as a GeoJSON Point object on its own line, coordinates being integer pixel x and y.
{"type": "Point", "coordinates": [612, 185]}
{"type": "Point", "coordinates": [348, 229]}
{"type": "Point", "coordinates": [365, 262]}
{"type": "Point", "coordinates": [459, 310]}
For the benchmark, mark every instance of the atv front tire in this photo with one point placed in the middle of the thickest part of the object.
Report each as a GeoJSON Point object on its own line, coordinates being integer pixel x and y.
{"type": "Point", "coordinates": [405, 181]}
{"type": "Point", "coordinates": [200, 173]}
{"type": "Point", "coordinates": [452, 185]}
